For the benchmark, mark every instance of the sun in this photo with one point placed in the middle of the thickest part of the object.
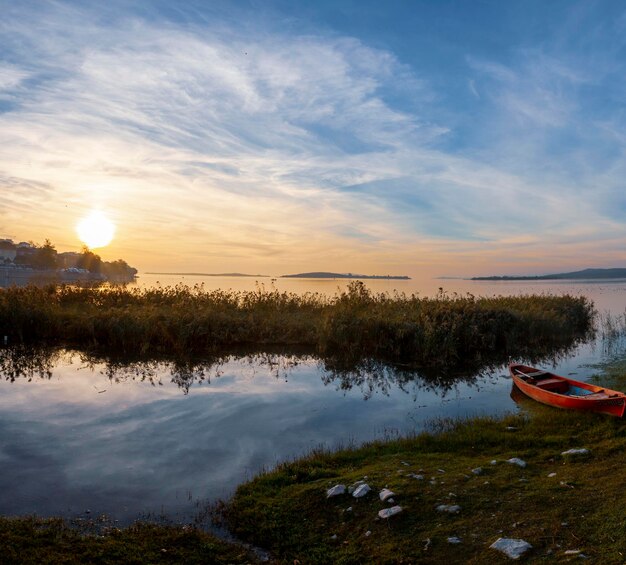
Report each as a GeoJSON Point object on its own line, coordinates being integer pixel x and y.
{"type": "Point", "coordinates": [95, 230]}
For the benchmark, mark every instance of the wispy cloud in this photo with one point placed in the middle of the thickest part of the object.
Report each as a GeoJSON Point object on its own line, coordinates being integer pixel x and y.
{"type": "Point", "coordinates": [247, 144]}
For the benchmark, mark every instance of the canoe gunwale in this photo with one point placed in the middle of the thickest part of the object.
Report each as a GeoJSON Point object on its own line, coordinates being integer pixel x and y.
{"type": "Point", "coordinates": [599, 399]}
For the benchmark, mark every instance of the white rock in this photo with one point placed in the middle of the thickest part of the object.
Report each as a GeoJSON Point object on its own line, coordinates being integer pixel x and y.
{"type": "Point", "coordinates": [572, 552]}
{"type": "Point", "coordinates": [385, 494]}
{"type": "Point", "coordinates": [477, 471]}
{"type": "Point", "coordinates": [388, 512]}
{"type": "Point", "coordinates": [516, 461]}
{"type": "Point", "coordinates": [493, 462]}
{"type": "Point", "coordinates": [404, 463]}
{"type": "Point", "coordinates": [361, 491]}
{"type": "Point", "coordinates": [511, 429]}
{"type": "Point", "coordinates": [391, 501]}
{"type": "Point", "coordinates": [513, 548]}
{"type": "Point", "coordinates": [368, 534]}
{"type": "Point", "coordinates": [349, 509]}
{"type": "Point", "coordinates": [454, 540]}
{"type": "Point", "coordinates": [336, 491]}
{"type": "Point", "coordinates": [450, 508]}
{"type": "Point", "coordinates": [334, 536]}
{"type": "Point", "coordinates": [552, 475]}
{"type": "Point", "coordinates": [414, 476]}
{"type": "Point", "coordinates": [581, 451]}
{"type": "Point", "coordinates": [353, 486]}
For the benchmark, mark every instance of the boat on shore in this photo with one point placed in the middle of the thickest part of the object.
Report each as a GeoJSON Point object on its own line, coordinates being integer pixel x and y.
{"type": "Point", "coordinates": [561, 392]}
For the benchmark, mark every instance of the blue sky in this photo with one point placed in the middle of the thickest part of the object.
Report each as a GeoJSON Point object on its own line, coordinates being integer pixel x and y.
{"type": "Point", "coordinates": [410, 137]}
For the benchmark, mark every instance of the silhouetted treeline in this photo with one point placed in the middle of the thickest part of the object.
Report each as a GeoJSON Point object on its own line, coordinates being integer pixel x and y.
{"type": "Point", "coordinates": [45, 257]}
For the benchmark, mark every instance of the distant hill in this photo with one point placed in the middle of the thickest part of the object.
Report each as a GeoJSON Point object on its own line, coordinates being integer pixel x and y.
{"type": "Point", "coordinates": [210, 275]}
{"type": "Point", "coordinates": [325, 275]}
{"type": "Point", "coordinates": [593, 274]}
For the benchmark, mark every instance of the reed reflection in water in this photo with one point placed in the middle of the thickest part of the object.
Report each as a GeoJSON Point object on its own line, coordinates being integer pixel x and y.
{"type": "Point", "coordinates": [139, 438]}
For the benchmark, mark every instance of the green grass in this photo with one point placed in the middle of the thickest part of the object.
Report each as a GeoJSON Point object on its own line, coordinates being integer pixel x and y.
{"type": "Point", "coordinates": [40, 541]}
{"type": "Point", "coordinates": [444, 331]}
{"type": "Point", "coordinates": [286, 510]}
{"type": "Point", "coordinates": [582, 507]}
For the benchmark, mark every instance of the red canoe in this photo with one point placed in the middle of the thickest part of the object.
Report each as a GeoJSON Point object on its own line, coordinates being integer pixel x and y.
{"type": "Point", "coordinates": [561, 392]}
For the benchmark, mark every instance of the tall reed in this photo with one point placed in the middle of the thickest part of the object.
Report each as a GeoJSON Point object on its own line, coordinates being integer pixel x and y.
{"type": "Point", "coordinates": [444, 330]}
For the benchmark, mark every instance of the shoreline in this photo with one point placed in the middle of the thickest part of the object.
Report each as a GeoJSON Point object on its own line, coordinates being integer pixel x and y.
{"type": "Point", "coordinates": [471, 482]}
{"type": "Point", "coordinates": [555, 501]}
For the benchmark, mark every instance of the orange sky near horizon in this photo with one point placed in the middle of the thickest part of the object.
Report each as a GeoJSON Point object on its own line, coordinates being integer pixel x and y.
{"type": "Point", "coordinates": [319, 145]}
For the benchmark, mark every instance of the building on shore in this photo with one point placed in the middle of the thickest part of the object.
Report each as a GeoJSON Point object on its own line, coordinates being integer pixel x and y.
{"type": "Point", "coordinates": [8, 251]}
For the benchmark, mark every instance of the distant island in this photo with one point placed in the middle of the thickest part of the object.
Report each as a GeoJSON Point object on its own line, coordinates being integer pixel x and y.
{"type": "Point", "coordinates": [589, 274]}
{"type": "Point", "coordinates": [325, 275]}
{"type": "Point", "coordinates": [209, 274]}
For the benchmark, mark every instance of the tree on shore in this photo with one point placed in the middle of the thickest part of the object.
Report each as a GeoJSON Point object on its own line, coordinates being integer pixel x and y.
{"type": "Point", "coordinates": [89, 261]}
{"type": "Point", "coordinates": [118, 269]}
{"type": "Point", "coordinates": [45, 257]}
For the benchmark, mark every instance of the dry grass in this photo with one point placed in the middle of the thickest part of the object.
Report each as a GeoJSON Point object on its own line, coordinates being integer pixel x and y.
{"type": "Point", "coordinates": [441, 331]}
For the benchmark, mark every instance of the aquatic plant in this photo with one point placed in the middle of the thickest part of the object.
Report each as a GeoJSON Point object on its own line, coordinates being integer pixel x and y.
{"type": "Point", "coordinates": [447, 330]}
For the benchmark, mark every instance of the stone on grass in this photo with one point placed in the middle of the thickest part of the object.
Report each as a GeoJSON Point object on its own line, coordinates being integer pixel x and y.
{"type": "Point", "coordinates": [513, 548]}
{"type": "Point", "coordinates": [353, 486]}
{"type": "Point", "coordinates": [385, 494]}
{"type": "Point", "coordinates": [454, 540]}
{"type": "Point", "coordinates": [477, 471]}
{"type": "Point", "coordinates": [449, 508]}
{"type": "Point", "coordinates": [368, 533]}
{"type": "Point", "coordinates": [388, 512]}
{"type": "Point", "coordinates": [493, 462]}
{"type": "Point", "coordinates": [551, 475]}
{"type": "Point", "coordinates": [414, 476]}
{"type": "Point", "coordinates": [516, 461]}
{"type": "Point", "coordinates": [581, 451]}
{"type": "Point", "coordinates": [572, 552]}
{"type": "Point", "coordinates": [361, 491]}
{"type": "Point", "coordinates": [336, 491]}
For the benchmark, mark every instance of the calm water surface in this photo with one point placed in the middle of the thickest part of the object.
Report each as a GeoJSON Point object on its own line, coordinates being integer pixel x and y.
{"type": "Point", "coordinates": [151, 441]}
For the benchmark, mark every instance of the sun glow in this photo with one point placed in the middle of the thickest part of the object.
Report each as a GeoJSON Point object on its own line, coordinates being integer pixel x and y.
{"type": "Point", "coordinates": [95, 230]}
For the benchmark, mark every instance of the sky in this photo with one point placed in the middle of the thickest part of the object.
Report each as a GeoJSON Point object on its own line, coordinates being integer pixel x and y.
{"type": "Point", "coordinates": [398, 137]}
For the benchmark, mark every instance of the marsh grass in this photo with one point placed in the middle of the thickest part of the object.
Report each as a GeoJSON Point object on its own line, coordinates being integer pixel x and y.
{"type": "Point", "coordinates": [39, 541]}
{"type": "Point", "coordinates": [581, 508]}
{"type": "Point", "coordinates": [447, 330]}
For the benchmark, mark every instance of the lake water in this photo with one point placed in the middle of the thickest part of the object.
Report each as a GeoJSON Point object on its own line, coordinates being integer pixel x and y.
{"type": "Point", "coordinates": [156, 440]}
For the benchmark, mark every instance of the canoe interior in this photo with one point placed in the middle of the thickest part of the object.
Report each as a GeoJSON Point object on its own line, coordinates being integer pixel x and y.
{"type": "Point", "coordinates": [549, 382]}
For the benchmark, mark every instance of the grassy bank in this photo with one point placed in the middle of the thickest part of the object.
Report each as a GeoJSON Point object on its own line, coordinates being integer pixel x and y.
{"type": "Point", "coordinates": [50, 541]}
{"type": "Point", "coordinates": [580, 507]}
{"type": "Point", "coordinates": [557, 503]}
{"type": "Point", "coordinates": [444, 330]}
